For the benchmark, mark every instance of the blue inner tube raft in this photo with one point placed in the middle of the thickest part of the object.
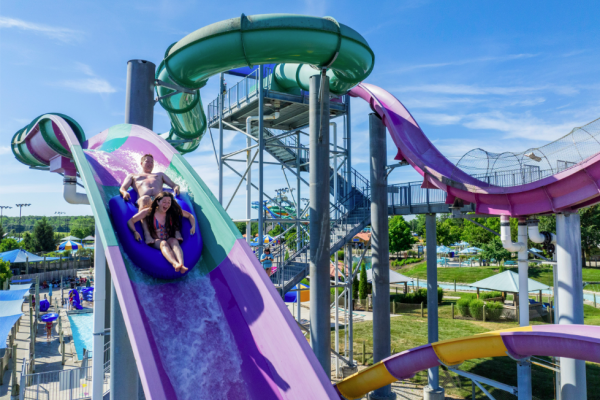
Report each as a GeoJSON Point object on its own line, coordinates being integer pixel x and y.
{"type": "Point", "coordinates": [149, 259]}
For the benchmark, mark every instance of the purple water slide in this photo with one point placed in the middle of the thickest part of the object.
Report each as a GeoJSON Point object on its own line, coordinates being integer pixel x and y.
{"type": "Point", "coordinates": [220, 332]}
{"type": "Point", "coordinates": [577, 187]}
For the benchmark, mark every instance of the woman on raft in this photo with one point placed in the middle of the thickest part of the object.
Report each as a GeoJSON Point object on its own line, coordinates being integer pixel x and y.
{"type": "Point", "coordinates": [163, 218]}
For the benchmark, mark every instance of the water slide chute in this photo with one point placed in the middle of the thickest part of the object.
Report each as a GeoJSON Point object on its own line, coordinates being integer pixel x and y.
{"type": "Point", "coordinates": [301, 45]}
{"type": "Point", "coordinates": [228, 287]}
{"type": "Point", "coordinates": [573, 341]}
{"type": "Point", "coordinates": [231, 351]}
{"type": "Point", "coordinates": [568, 190]}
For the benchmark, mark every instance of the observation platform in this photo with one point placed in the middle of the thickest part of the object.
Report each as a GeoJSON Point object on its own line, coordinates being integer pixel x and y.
{"type": "Point", "coordinates": [241, 102]}
{"type": "Point", "coordinates": [410, 198]}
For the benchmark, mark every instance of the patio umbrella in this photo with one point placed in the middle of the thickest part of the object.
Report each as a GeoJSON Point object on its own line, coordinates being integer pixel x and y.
{"type": "Point", "coordinates": [468, 251]}
{"type": "Point", "coordinates": [68, 245]}
{"type": "Point", "coordinates": [443, 249]}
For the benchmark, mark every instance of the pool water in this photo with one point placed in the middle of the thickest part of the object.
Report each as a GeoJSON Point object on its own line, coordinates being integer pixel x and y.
{"type": "Point", "coordinates": [82, 329]}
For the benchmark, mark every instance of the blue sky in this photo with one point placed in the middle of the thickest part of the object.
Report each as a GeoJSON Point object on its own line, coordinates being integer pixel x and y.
{"type": "Point", "coordinates": [496, 75]}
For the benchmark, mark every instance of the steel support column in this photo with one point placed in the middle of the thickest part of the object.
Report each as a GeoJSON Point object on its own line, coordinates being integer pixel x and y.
{"type": "Point", "coordinates": [139, 93]}
{"type": "Point", "coordinates": [139, 110]}
{"type": "Point", "coordinates": [298, 202]}
{"type": "Point", "coordinates": [524, 366]}
{"type": "Point", "coordinates": [220, 111]}
{"type": "Point", "coordinates": [380, 249]}
{"type": "Point", "coordinates": [261, 158]}
{"type": "Point", "coordinates": [349, 152]}
{"type": "Point", "coordinates": [124, 377]}
{"type": "Point", "coordinates": [432, 391]}
{"type": "Point", "coordinates": [320, 333]}
{"type": "Point", "coordinates": [570, 297]}
{"type": "Point", "coordinates": [99, 318]}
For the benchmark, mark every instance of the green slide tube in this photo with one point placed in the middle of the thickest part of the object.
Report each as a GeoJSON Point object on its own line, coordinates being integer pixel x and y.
{"type": "Point", "coordinates": [302, 45]}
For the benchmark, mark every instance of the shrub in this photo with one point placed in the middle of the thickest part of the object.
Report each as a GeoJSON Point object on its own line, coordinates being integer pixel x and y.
{"type": "Point", "coordinates": [440, 295]}
{"type": "Point", "coordinates": [501, 269]}
{"type": "Point", "coordinates": [493, 310]}
{"type": "Point", "coordinates": [476, 308]}
{"type": "Point", "coordinates": [463, 307]}
{"type": "Point", "coordinates": [362, 285]}
{"type": "Point", "coordinates": [489, 295]}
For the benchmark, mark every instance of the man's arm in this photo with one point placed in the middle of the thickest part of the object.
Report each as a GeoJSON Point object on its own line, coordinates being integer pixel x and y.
{"type": "Point", "coordinates": [170, 183]}
{"type": "Point", "coordinates": [126, 185]}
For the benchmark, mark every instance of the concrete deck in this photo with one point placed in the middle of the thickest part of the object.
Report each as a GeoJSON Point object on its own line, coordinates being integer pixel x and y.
{"type": "Point", "coordinates": [47, 352]}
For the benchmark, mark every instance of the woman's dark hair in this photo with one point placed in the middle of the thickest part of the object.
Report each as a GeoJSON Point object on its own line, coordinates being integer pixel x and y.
{"type": "Point", "coordinates": [174, 215]}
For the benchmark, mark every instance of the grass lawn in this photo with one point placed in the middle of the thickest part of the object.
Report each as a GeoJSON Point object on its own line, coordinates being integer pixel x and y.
{"type": "Point", "coordinates": [542, 273]}
{"type": "Point", "coordinates": [410, 330]}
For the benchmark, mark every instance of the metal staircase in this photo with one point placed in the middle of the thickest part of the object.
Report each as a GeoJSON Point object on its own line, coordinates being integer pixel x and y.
{"type": "Point", "coordinates": [354, 213]}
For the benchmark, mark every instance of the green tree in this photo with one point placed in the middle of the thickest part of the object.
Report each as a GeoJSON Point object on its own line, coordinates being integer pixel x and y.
{"type": "Point", "coordinates": [1, 233]}
{"type": "Point", "coordinates": [478, 236]}
{"type": "Point", "coordinates": [241, 227]}
{"type": "Point", "coordinates": [448, 230]}
{"type": "Point", "coordinates": [28, 243]}
{"type": "Point", "coordinates": [5, 272]}
{"type": "Point", "coordinates": [290, 239]}
{"type": "Point", "coordinates": [8, 245]}
{"type": "Point", "coordinates": [276, 231]}
{"type": "Point", "coordinates": [362, 287]}
{"type": "Point", "coordinates": [43, 236]}
{"type": "Point", "coordinates": [494, 250]}
{"type": "Point", "coordinates": [420, 225]}
{"type": "Point", "coordinates": [399, 232]}
{"type": "Point", "coordinates": [590, 231]}
{"type": "Point", "coordinates": [83, 226]}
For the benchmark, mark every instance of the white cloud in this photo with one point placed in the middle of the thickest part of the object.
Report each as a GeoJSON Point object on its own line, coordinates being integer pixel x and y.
{"type": "Point", "coordinates": [315, 7]}
{"type": "Point", "coordinates": [438, 119]}
{"type": "Point", "coordinates": [4, 150]}
{"type": "Point", "coordinates": [520, 126]}
{"type": "Point", "coordinates": [90, 85]}
{"type": "Point", "coordinates": [458, 89]}
{"type": "Point", "coordinates": [438, 102]}
{"type": "Point", "coordinates": [463, 62]}
{"type": "Point", "coordinates": [93, 84]}
{"type": "Point", "coordinates": [63, 34]}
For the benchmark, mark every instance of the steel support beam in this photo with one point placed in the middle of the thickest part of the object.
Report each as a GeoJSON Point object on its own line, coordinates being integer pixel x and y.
{"type": "Point", "coordinates": [432, 391]}
{"type": "Point", "coordinates": [139, 93]}
{"type": "Point", "coordinates": [380, 249]}
{"type": "Point", "coordinates": [261, 158]}
{"type": "Point", "coordinates": [320, 333]}
{"type": "Point", "coordinates": [570, 297]}
{"type": "Point", "coordinates": [220, 100]}
{"type": "Point", "coordinates": [524, 366]}
{"type": "Point", "coordinates": [99, 318]}
{"type": "Point", "coordinates": [139, 110]}
{"type": "Point", "coordinates": [124, 377]}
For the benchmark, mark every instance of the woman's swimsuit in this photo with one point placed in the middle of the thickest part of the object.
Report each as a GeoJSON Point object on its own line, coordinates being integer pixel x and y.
{"type": "Point", "coordinates": [161, 230]}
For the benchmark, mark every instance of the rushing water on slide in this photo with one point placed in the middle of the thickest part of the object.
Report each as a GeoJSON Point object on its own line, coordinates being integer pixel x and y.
{"type": "Point", "coordinates": [195, 343]}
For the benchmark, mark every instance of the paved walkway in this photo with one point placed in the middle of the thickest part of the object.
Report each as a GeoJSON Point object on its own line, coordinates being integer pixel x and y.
{"type": "Point", "coordinates": [48, 356]}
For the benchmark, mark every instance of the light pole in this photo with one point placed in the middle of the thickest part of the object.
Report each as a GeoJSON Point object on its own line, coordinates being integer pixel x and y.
{"type": "Point", "coordinates": [20, 209]}
{"type": "Point", "coordinates": [1, 210]}
{"type": "Point", "coordinates": [59, 213]}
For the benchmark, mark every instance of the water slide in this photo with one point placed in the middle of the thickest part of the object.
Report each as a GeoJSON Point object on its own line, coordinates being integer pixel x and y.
{"type": "Point", "coordinates": [574, 188]}
{"type": "Point", "coordinates": [573, 341]}
{"type": "Point", "coordinates": [222, 330]}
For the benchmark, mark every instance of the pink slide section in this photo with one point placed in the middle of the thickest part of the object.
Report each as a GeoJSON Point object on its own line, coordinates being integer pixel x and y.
{"type": "Point", "coordinates": [568, 190]}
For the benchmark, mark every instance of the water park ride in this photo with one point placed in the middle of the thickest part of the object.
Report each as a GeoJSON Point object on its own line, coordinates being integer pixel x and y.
{"type": "Point", "coordinates": [243, 360]}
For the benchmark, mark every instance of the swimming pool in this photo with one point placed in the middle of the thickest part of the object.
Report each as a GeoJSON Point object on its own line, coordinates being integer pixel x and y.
{"type": "Point", "coordinates": [82, 329]}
